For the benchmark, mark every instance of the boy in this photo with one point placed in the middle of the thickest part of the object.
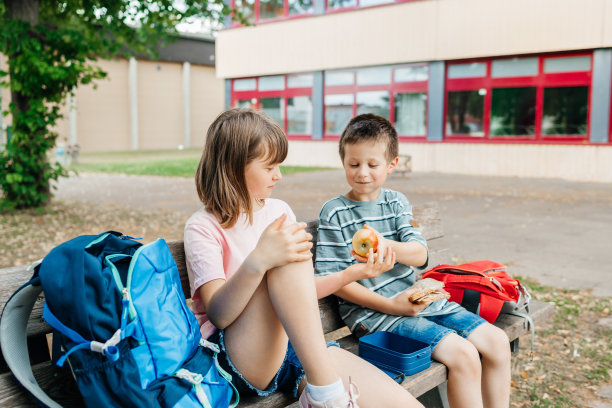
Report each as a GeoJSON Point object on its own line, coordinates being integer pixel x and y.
{"type": "Point", "coordinates": [369, 153]}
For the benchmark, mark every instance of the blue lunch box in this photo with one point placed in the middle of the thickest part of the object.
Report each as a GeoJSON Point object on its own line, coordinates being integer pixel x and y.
{"type": "Point", "coordinates": [395, 354]}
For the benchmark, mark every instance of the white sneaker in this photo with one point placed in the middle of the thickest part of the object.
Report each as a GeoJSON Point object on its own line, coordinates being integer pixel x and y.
{"type": "Point", "coordinates": [348, 400]}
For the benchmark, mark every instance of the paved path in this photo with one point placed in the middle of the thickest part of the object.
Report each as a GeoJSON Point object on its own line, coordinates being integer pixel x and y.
{"type": "Point", "coordinates": [555, 231]}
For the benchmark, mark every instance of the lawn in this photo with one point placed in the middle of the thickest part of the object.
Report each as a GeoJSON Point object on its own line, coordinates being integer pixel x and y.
{"type": "Point", "coordinates": [172, 163]}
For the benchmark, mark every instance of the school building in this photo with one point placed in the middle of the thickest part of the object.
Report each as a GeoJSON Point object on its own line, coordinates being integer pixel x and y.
{"type": "Point", "coordinates": [143, 104]}
{"type": "Point", "coordinates": [484, 87]}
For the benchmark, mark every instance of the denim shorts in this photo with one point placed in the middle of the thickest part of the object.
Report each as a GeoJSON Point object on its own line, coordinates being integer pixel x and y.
{"type": "Point", "coordinates": [432, 329]}
{"type": "Point", "coordinates": [287, 378]}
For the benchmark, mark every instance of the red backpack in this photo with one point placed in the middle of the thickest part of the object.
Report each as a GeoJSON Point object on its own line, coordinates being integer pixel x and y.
{"type": "Point", "coordinates": [482, 287]}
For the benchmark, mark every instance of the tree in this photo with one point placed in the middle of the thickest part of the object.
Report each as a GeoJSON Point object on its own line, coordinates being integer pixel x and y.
{"type": "Point", "coordinates": [52, 46]}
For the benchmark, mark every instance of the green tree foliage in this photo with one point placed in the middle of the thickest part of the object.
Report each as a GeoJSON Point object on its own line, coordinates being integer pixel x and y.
{"type": "Point", "coordinates": [52, 47]}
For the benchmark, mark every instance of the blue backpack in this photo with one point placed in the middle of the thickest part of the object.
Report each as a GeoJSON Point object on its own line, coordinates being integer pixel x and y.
{"type": "Point", "coordinates": [121, 321]}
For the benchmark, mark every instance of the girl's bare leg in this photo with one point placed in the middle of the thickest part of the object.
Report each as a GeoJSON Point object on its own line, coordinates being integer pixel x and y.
{"type": "Point", "coordinates": [376, 389]}
{"type": "Point", "coordinates": [284, 304]}
{"type": "Point", "coordinates": [494, 347]}
{"type": "Point", "coordinates": [464, 371]}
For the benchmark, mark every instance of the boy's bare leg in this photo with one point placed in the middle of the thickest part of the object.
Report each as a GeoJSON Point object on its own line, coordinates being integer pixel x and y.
{"type": "Point", "coordinates": [464, 371]}
{"type": "Point", "coordinates": [494, 346]}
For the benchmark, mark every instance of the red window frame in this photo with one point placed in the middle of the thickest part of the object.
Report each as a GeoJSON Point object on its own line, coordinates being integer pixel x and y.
{"type": "Point", "coordinates": [256, 19]}
{"type": "Point", "coordinates": [540, 81]}
{"type": "Point", "coordinates": [392, 88]}
{"type": "Point", "coordinates": [285, 94]}
{"type": "Point", "coordinates": [358, 6]}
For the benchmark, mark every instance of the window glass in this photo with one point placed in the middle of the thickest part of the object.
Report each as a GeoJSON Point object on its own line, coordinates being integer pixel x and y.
{"type": "Point", "coordinates": [271, 83]}
{"type": "Point", "coordinates": [410, 113]}
{"type": "Point", "coordinates": [366, 3]}
{"type": "Point", "coordinates": [514, 67]}
{"type": "Point", "coordinates": [565, 110]}
{"type": "Point", "coordinates": [271, 9]}
{"type": "Point", "coordinates": [299, 115]}
{"type": "Point", "coordinates": [247, 8]}
{"type": "Point", "coordinates": [301, 7]}
{"type": "Point", "coordinates": [472, 70]}
{"type": "Point", "coordinates": [273, 107]}
{"type": "Point", "coordinates": [338, 112]}
{"type": "Point", "coordinates": [339, 78]}
{"type": "Point", "coordinates": [337, 4]}
{"type": "Point", "coordinates": [376, 102]}
{"type": "Point", "coordinates": [513, 111]}
{"type": "Point", "coordinates": [246, 103]}
{"type": "Point", "coordinates": [410, 74]}
{"type": "Point", "coordinates": [567, 64]}
{"type": "Point", "coordinates": [245, 84]}
{"type": "Point", "coordinates": [374, 76]}
{"type": "Point", "coordinates": [465, 113]}
{"type": "Point", "coordinates": [300, 81]}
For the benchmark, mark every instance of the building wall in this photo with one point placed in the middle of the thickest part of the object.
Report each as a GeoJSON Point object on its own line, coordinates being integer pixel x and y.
{"type": "Point", "coordinates": [207, 101]}
{"type": "Point", "coordinates": [570, 162]}
{"type": "Point", "coordinates": [160, 105]}
{"type": "Point", "coordinates": [425, 30]}
{"type": "Point", "coordinates": [103, 111]}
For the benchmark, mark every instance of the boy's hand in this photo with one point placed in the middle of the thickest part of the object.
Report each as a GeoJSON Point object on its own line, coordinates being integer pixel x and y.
{"type": "Point", "coordinates": [372, 266]}
{"type": "Point", "coordinates": [381, 249]}
{"type": "Point", "coordinates": [402, 306]}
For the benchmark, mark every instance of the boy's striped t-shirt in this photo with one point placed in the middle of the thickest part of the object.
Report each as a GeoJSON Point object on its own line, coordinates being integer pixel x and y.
{"type": "Point", "coordinates": [391, 216]}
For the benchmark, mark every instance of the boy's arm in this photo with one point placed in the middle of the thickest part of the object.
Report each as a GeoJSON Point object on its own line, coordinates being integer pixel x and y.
{"type": "Point", "coordinates": [397, 306]}
{"type": "Point", "coordinates": [328, 284]}
{"type": "Point", "coordinates": [410, 247]}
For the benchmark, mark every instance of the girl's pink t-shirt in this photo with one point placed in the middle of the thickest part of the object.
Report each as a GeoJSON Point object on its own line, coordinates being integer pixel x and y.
{"type": "Point", "coordinates": [212, 252]}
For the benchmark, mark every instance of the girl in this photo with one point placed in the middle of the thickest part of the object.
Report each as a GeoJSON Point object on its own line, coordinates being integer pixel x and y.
{"type": "Point", "coordinates": [252, 280]}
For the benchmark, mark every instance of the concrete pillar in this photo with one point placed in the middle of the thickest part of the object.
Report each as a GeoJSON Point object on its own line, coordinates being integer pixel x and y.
{"type": "Point", "coordinates": [318, 106]}
{"type": "Point", "coordinates": [73, 137]}
{"type": "Point", "coordinates": [228, 93]}
{"type": "Point", "coordinates": [186, 104]}
{"type": "Point", "coordinates": [133, 90]}
{"type": "Point", "coordinates": [435, 101]}
{"type": "Point", "coordinates": [600, 96]}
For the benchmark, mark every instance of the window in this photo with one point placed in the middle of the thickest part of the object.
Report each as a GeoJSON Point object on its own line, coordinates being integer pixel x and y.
{"type": "Point", "coordinates": [465, 113]}
{"type": "Point", "coordinates": [333, 5]}
{"type": "Point", "coordinates": [565, 110]}
{"type": "Point", "coordinates": [285, 98]}
{"type": "Point", "coordinates": [255, 11]}
{"type": "Point", "coordinates": [397, 92]}
{"type": "Point", "coordinates": [520, 98]}
{"type": "Point", "coordinates": [513, 111]}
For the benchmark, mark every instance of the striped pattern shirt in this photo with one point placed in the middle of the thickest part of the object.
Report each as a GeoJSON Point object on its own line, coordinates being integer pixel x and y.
{"type": "Point", "coordinates": [390, 215]}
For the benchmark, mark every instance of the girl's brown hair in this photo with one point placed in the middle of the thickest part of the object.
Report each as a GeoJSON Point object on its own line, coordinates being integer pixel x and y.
{"type": "Point", "coordinates": [235, 139]}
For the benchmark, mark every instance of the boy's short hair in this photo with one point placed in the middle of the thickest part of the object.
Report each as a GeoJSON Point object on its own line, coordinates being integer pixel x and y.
{"type": "Point", "coordinates": [372, 128]}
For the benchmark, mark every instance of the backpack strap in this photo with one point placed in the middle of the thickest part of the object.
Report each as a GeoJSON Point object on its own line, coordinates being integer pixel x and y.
{"type": "Point", "coordinates": [13, 338]}
{"type": "Point", "coordinates": [108, 348]}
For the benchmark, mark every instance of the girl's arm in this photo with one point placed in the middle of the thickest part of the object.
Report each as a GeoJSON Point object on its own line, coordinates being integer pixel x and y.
{"type": "Point", "coordinates": [280, 243]}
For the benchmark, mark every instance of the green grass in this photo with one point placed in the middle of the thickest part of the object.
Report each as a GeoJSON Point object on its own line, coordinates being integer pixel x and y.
{"type": "Point", "coordinates": [170, 163]}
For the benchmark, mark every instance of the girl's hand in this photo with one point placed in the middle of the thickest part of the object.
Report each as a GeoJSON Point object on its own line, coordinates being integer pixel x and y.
{"type": "Point", "coordinates": [373, 265]}
{"type": "Point", "coordinates": [281, 243]}
{"type": "Point", "coordinates": [402, 306]}
{"type": "Point", "coordinates": [381, 249]}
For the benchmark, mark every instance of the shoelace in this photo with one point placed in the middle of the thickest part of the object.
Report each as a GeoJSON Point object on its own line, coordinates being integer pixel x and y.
{"type": "Point", "coordinates": [353, 392]}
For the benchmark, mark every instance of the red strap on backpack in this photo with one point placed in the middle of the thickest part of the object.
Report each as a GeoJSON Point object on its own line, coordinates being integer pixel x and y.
{"type": "Point", "coordinates": [481, 286]}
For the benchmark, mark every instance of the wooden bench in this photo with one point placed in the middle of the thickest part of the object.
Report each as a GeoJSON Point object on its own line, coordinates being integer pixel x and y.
{"type": "Point", "coordinates": [428, 385]}
{"type": "Point", "coordinates": [404, 164]}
